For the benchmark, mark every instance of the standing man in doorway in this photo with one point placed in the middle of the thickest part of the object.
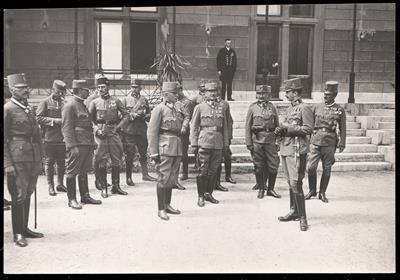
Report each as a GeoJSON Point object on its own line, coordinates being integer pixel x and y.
{"type": "Point", "coordinates": [226, 65]}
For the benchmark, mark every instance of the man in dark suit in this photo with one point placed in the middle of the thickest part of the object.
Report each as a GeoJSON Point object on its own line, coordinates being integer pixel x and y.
{"type": "Point", "coordinates": [226, 65]}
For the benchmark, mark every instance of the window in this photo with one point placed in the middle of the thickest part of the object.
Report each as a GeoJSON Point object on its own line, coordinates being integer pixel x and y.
{"type": "Point", "coordinates": [301, 10]}
{"type": "Point", "coordinates": [143, 46]}
{"type": "Point", "coordinates": [273, 10]}
{"type": "Point", "coordinates": [109, 9]}
{"type": "Point", "coordinates": [144, 9]}
{"type": "Point", "coordinates": [267, 49]}
{"type": "Point", "coordinates": [299, 50]}
{"type": "Point", "coordinates": [109, 46]}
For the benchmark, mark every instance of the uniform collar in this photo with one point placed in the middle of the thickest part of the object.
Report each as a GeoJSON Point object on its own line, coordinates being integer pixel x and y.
{"type": "Point", "coordinates": [330, 105]}
{"type": "Point", "coordinates": [78, 98]}
{"type": "Point", "coordinates": [296, 102]}
{"type": "Point", "coordinates": [169, 104]}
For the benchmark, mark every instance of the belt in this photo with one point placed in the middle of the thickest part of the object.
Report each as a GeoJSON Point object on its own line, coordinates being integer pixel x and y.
{"type": "Point", "coordinates": [212, 128]}
{"type": "Point", "coordinates": [169, 132]}
{"type": "Point", "coordinates": [107, 122]}
{"type": "Point", "coordinates": [325, 129]}
{"type": "Point", "coordinates": [24, 137]}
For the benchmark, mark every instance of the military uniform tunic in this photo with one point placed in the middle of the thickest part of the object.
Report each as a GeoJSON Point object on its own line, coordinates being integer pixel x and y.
{"type": "Point", "coordinates": [164, 140]}
{"type": "Point", "coordinates": [104, 113]}
{"type": "Point", "coordinates": [294, 146]}
{"type": "Point", "coordinates": [209, 131]}
{"type": "Point", "coordinates": [261, 121]}
{"type": "Point", "coordinates": [329, 133]}
{"type": "Point", "coordinates": [77, 130]}
{"type": "Point", "coordinates": [22, 149]}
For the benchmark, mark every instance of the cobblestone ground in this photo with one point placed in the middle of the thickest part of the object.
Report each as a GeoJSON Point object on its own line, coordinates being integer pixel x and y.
{"type": "Point", "coordinates": [354, 232]}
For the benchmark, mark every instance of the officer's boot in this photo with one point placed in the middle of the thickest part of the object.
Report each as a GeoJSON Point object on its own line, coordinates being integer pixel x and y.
{"type": "Point", "coordinates": [115, 181]}
{"type": "Point", "coordinates": [312, 185]}
{"type": "Point", "coordinates": [185, 168]}
{"type": "Point", "coordinates": [27, 232]}
{"type": "Point", "coordinates": [210, 188]}
{"type": "Point", "coordinates": [200, 180]}
{"type": "Point", "coordinates": [60, 176]}
{"type": "Point", "coordinates": [301, 206]}
{"type": "Point", "coordinates": [260, 183]}
{"type": "Point", "coordinates": [102, 181]}
{"type": "Point", "coordinates": [228, 171]}
{"type": "Point", "coordinates": [17, 216]}
{"type": "Point", "coordinates": [218, 185]}
{"type": "Point", "coordinates": [169, 209]}
{"type": "Point", "coordinates": [271, 185]}
{"type": "Point", "coordinates": [255, 187]}
{"type": "Point", "coordinates": [50, 177]}
{"type": "Point", "coordinates": [97, 175]}
{"type": "Point", "coordinates": [293, 214]}
{"type": "Point", "coordinates": [323, 185]}
{"type": "Point", "coordinates": [161, 203]}
{"type": "Point", "coordinates": [71, 193]}
{"type": "Point", "coordinates": [84, 190]}
{"type": "Point", "coordinates": [145, 172]}
{"type": "Point", "coordinates": [128, 166]}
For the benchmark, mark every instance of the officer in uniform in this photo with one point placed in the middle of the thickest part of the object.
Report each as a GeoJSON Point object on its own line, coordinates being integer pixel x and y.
{"type": "Point", "coordinates": [185, 106]}
{"type": "Point", "coordinates": [48, 115]}
{"type": "Point", "coordinates": [261, 121]}
{"type": "Point", "coordinates": [77, 130]}
{"type": "Point", "coordinates": [294, 146]}
{"type": "Point", "coordinates": [104, 114]}
{"type": "Point", "coordinates": [22, 156]}
{"type": "Point", "coordinates": [209, 134]}
{"type": "Point", "coordinates": [166, 146]}
{"type": "Point", "coordinates": [226, 152]}
{"type": "Point", "coordinates": [134, 131]}
{"type": "Point", "coordinates": [329, 133]}
{"type": "Point", "coordinates": [226, 65]}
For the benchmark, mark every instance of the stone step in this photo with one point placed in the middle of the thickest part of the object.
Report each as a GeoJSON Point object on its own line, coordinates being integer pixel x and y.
{"type": "Point", "coordinates": [353, 125]}
{"type": "Point", "coordinates": [339, 166]}
{"type": "Point", "coordinates": [239, 132]}
{"type": "Point", "coordinates": [381, 112]}
{"type": "Point", "coordinates": [381, 137]}
{"type": "Point", "coordinates": [339, 157]}
{"type": "Point", "coordinates": [371, 122]}
{"type": "Point", "coordinates": [349, 125]}
{"type": "Point", "coordinates": [350, 148]}
{"type": "Point", "coordinates": [386, 125]}
{"type": "Point", "coordinates": [349, 140]}
{"type": "Point", "coordinates": [392, 140]}
{"type": "Point", "coordinates": [389, 153]}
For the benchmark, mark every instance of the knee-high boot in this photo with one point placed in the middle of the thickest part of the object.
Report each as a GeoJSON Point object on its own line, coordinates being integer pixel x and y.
{"type": "Point", "coordinates": [60, 175]}
{"type": "Point", "coordinates": [210, 188]}
{"type": "Point", "coordinates": [169, 208]}
{"type": "Point", "coordinates": [27, 232]}
{"type": "Point", "coordinates": [218, 185]}
{"type": "Point", "coordinates": [71, 193]}
{"type": "Point", "coordinates": [271, 185]}
{"type": "Point", "coordinates": [145, 172]}
{"type": "Point", "coordinates": [260, 184]}
{"type": "Point", "coordinates": [116, 189]}
{"type": "Point", "coordinates": [201, 189]}
{"type": "Point", "coordinates": [49, 168]}
{"type": "Point", "coordinates": [84, 190]}
{"type": "Point", "coordinates": [161, 200]}
{"type": "Point", "coordinates": [323, 186]}
{"type": "Point", "coordinates": [301, 206]}
{"type": "Point", "coordinates": [128, 166]}
{"type": "Point", "coordinates": [312, 185]}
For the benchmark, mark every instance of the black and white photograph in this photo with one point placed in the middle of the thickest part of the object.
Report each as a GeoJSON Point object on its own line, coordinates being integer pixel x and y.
{"type": "Point", "coordinates": [199, 139]}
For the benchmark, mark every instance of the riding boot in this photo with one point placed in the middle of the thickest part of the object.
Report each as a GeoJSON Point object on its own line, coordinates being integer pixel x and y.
{"type": "Point", "coordinates": [161, 202]}
{"type": "Point", "coordinates": [301, 206]}
{"type": "Point", "coordinates": [185, 168]}
{"type": "Point", "coordinates": [200, 189]}
{"type": "Point", "coordinates": [27, 232]}
{"type": "Point", "coordinates": [271, 185]}
{"type": "Point", "coordinates": [260, 184]}
{"type": "Point", "coordinates": [101, 179]}
{"type": "Point", "coordinates": [71, 193]}
{"type": "Point", "coordinates": [210, 188]}
{"type": "Point", "coordinates": [293, 214]}
{"type": "Point", "coordinates": [115, 181]}
{"type": "Point", "coordinates": [228, 171]}
{"type": "Point", "coordinates": [312, 185]}
{"type": "Point", "coordinates": [84, 190]}
{"type": "Point", "coordinates": [50, 177]}
{"type": "Point", "coordinates": [98, 173]}
{"type": "Point", "coordinates": [218, 185]}
{"type": "Point", "coordinates": [169, 209]}
{"type": "Point", "coordinates": [17, 216]}
{"type": "Point", "coordinates": [60, 175]}
{"type": "Point", "coordinates": [323, 186]}
{"type": "Point", "coordinates": [128, 166]}
{"type": "Point", "coordinates": [145, 172]}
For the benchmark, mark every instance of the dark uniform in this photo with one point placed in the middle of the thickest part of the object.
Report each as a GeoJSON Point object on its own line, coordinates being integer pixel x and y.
{"type": "Point", "coordinates": [261, 121]}
{"type": "Point", "coordinates": [294, 146]}
{"type": "Point", "coordinates": [77, 130]}
{"type": "Point", "coordinates": [48, 115]}
{"type": "Point", "coordinates": [166, 146]}
{"type": "Point", "coordinates": [104, 114]}
{"type": "Point", "coordinates": [329, 133]}
{"type": "Point", "coordinates": [226, 63]}
{"type": "Point", "coordinates": [22, 156]}
{"type": "Point", "coordinates": [134, 131]}
{"type": "Point", "coordinates": [209, 133]}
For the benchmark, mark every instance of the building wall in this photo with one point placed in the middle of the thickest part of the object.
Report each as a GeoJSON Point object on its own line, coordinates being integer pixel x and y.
{"type": "Point", "coordinates": [374, 56]}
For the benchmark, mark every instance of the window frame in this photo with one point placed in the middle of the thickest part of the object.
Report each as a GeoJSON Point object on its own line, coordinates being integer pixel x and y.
{"type": "Point", "coordinates": [272, 15]}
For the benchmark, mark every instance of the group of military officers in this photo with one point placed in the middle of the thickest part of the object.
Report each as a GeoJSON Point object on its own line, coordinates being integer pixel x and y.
{"type": "Point", "coordinates": [90, 130]}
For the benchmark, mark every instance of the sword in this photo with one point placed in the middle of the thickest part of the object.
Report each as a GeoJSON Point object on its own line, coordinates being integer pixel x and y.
{"type": "Point", "coordinates": [35, 208]}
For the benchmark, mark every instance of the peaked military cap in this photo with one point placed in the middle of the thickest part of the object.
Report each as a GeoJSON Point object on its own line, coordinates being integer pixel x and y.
{"type": "Point", "coordinates": [331, 86]}
{"type": "Point", "coordinates": [60, 85]}
{"type": "Point", "coordinates": [135, 82]}
{"type": "Point", "coordinates": [210, 95]}
{"type": "Point", "coordinates": [169, 87]}
{"type": "Point", "coordinates": [294, 83]}
{"type": "Point", "coordinates": [80, 84]}
{"type": "Point", "coordinates": [263, 88]}
{"type": "Point", "coordinates": [102, 80]}
{"type": "Point", "coordinates": [17, 80]}
{"type": "Point", "coordinates": [211, 86]}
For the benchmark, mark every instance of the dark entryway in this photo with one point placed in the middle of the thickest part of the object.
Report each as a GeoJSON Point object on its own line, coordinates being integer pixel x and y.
{"type": "Point", "coordinates": [143, 46]}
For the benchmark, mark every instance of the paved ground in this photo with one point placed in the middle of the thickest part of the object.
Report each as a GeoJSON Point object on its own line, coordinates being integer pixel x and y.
{"type": "Point", "coordinates": [354, 232]}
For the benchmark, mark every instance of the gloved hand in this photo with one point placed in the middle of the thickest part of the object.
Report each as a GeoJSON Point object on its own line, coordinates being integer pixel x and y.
{"type": "Point", "coordinates": [133, 115]}
{"type": "Point", "coordinates": [100, 134]}
{"type": "Point", "coordinates": [156, 159]}
{"type": "Point", "coordinates": [280, 131]}
{"type": "Point", "coordinates": [75, 151]}
{"type": "Point", "coordinates": [10, 171]}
